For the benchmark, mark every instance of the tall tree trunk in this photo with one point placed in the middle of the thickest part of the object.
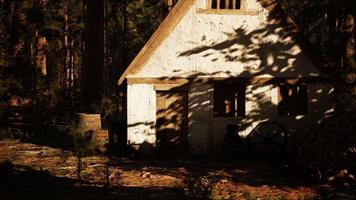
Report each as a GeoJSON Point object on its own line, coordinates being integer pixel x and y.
{"type": "Point", "coordinates": [76, 67]}
{"type": "Point", "coordinates": [350, 43]}
{"type": "Point", "coordinates": [92, 72]}
{"type": "Point", "coordinates": [66, 48]}
{"type": "Point", "coordinates": [41, 57]}
{"type": "Point", "coordinates": [105, 70]}
{"type": "Point", "coordinates": [16, 41]}
{"type": "Point", "coordinates": [345, 87]}
{"type": "Point", "coordinates": [124, 35]}
{"type": "Point", "coordinates": [71, 66]}
{"type": "Point", "coordinates": [349, 30]}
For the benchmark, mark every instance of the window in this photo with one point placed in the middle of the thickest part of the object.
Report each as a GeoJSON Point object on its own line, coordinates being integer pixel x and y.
{"type": "Point", "coordinates": [293, 99]}
{"type": "Point", "coordinates": [229, 100]}
{"type": "Point", "coordinates": [225, 4]}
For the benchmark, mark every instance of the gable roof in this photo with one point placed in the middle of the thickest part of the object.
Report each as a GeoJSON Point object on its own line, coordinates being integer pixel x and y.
{"type": "Point", "coordinates": [182, 8]}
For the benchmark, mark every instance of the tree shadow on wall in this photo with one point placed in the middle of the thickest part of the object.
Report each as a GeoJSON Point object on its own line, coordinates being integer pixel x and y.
{"type": "Point", "coordinates": [270, 50]}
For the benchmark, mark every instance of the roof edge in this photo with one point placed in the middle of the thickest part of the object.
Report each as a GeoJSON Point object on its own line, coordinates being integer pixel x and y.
{"type": "Point", "coordinates": [165, 28]}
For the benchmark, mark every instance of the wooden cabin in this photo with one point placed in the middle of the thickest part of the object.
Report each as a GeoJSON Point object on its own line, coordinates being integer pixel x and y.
{"type": "Point", "coordinates": [212, 63]}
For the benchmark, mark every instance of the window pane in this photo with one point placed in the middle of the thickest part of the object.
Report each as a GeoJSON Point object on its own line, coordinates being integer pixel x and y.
{"type": "Point", "coordinates": [229, 100]}
{"type": "Point", "coordinates": [230, 6]}
{"type": "Point", "coordinates": [237, 4]}
{"type": "Point", "coordinates": [214, 4]}
{"type": "Point", "coordinates": [225, 4]}
{"type": "Point", "coordinates": [241, 100]}
{"type": "Point", "coordinates": [222, 4]}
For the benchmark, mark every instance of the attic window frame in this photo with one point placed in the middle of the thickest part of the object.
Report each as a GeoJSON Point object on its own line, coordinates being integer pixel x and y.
{"type": "Point", "coordinates": [241, 11]}
{"type": "Point", "coordinates": [210, 4]}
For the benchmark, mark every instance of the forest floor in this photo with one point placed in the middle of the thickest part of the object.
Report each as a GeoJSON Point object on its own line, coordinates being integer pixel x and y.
{"type": "Point", "coordinates": [29, 171]}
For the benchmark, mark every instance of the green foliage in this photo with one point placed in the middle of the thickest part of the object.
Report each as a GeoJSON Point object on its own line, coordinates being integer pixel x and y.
{"type": "Point", "coordinates": [82, 144]}
{"type": "Point", "coordinates": [54, 101]}
{"type": "Point", "coordinates": [326, 147]}
{"type": "Point", "coordinates": [201, 186]}
{"type": "Point", "coordinates": [250, 196]}
{"type": "Point", "coordinates": [330, 146]}
{"type": "Point", "coordinates": [144, 18]}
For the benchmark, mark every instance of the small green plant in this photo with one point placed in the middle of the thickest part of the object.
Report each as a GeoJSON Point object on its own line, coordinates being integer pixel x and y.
{"type": "Point", "coordinates": [14, 133]}
{"type": "Point", "coordinates": [82, 143]}
{"type": "Point", "coordinates": [4, 134]}
{"type": "Point", "coordinates": [250, 196]}
{"type": "Point", "coordinates": [201, 187]}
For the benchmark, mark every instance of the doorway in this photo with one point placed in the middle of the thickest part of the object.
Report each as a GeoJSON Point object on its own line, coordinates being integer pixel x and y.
{"type": "Point", "coordinates": [172, 122]}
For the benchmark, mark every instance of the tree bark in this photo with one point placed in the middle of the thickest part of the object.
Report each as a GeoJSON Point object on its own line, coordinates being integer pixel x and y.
{"type": "Point", "coordinates": [124, 43]}
{"type": "Point", "coordinates": [41, 57]}
{"type": "Point", "coordinates": [92, 72]}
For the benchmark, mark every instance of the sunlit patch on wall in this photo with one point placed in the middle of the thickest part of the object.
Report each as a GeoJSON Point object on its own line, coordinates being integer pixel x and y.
{"type": "Point", "coordinates": [330, 111]}
{"type": "Point", "coordinates": [299, 117]}
{"type": "Point", "coordinates": [270, 59]}
{"type": "Point", "coordinates": [331, 91]}
{"type": "Point", "coordinates": [284, 69]}
{"type": "Point", "coordinates": [205, 103]}
{"type": "Point", "coordinates": [314, 74]}
{"type": "Point", "coordinates": [314, 100]}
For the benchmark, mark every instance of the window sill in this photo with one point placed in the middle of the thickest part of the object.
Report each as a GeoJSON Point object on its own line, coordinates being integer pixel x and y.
{"type": "Point", "coordinates": [228, 12]}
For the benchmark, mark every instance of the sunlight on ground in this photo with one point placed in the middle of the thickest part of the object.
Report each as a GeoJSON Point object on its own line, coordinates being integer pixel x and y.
{"type": "Point", "coordinates": [151, 179]}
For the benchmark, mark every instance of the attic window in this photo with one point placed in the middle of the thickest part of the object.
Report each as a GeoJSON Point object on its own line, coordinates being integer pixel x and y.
{"type": "Point", "coordinates": [225, 4]}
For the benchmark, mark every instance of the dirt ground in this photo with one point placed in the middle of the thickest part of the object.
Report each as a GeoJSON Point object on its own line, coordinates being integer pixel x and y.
{"type": "Point", "coordinates": [29, 171]}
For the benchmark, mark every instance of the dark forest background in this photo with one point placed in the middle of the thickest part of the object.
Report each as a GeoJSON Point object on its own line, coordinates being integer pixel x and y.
{"type": "Point", "coordinates": [42, 55]}
{"type": "Point", "coordinates": [42, 46]}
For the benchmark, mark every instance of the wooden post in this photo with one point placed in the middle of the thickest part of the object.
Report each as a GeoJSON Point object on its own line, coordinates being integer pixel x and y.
{"type": "Point", "coordinates": [218, 4]}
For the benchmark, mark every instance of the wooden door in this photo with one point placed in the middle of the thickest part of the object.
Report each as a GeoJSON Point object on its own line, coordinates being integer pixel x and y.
{"type": "Point", "coordinates": [172, 122]}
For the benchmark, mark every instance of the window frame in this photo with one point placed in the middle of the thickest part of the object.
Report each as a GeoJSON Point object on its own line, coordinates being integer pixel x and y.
{"type": "Point", "coordinates": [299, 104]}
{"type": "Point", "coordinates": [210, 2]}
{"type": "Point", "coordinates": [228, 89]}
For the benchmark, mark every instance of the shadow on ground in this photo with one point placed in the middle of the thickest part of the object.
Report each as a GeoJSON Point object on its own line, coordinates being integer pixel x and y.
{"type": "Point", "coordinates": [21, 182]}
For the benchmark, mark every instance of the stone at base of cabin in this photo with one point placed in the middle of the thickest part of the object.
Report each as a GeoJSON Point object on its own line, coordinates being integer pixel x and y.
{"type": "Point", "coordinates": [101, 139]}
{"type": "Point", "coordinates": [88, 122]}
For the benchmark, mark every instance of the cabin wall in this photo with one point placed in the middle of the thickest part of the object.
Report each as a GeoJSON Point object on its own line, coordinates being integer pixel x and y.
{"type": "Point", "coordinates": [320, 107]}
{"type": "Point", "coordinates": [141, 114]}
{"type": "Point", "coordinates": [206, 132]}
